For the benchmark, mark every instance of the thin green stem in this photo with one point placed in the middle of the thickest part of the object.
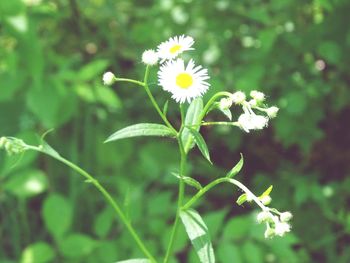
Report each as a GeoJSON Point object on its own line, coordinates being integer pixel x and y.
{"type": "Point", "coordinates": [205, 189]}
{"type": "Point", "coordinates": [155, 104]}
{"type": "Point", "coordinates": [179, 200]}
{"type": "Point", "coordinates": [207, 107]}
{"type": "Point", "coordinates": [226, 123]}
{"type": "Point", "coordinates": [106, 195]}
{"type": "Point", "coordinates": [130, 80]}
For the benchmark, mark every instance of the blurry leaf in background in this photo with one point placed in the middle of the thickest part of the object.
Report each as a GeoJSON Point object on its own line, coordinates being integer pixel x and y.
{"type": "Point", "coordinates": [76, 245]}
{"type": "Point", "coordinates": [57, 213]}
{"type": "Point", "coordinates": [27, 183]}
{"type": "Point", "coordinates": [39, 252]}
{"type": "Point", "coordinates": [103, 222]}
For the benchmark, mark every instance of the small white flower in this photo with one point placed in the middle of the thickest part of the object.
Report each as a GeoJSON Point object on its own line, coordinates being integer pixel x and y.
{"type": "Point", "coordinates": [171, 48]}
{"type": "Point", "coordinates": [253, 102]}
{"type": "Point", "coordinates": [269, 232]}
{"type": "Point", "coordinates": [184, 82]}
{"type": "Point", "coordinates": [108, 78]}
{"type": "Point", "coordinates": [264, 216]}
{"type": "Point", "coordinates": [225, 103]}
{"type": "Point", "coordinates": [150, 57]}
{"type": "Point", "coordinates": [238, 97]}
{"type": "Point", "coordinates": [286, 216]}
{"type": "Point", "coordinates": [272, 112]}
{"type": "Point", "coordinates": [257, 95]}
{"type": "Point", "coordinates": [250, 121]}
{"type": "Point", "coordinates": [281, 228]}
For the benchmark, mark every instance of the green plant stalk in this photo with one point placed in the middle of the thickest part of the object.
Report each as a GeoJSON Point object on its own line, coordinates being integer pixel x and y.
{"type": "Point", "coordinates": [225, 123]}
{"type": "Point", "coordinates": [154, 103]}
{"type": "Point", "coordinates": [205, 189]}
{"type": "Point", "coordinates": [207, 106]}
{"type": "Point", "coordinates": [107, 196]}
{"type": "Point", "coordinates": [180, 198]}
{"type": "Point", "coordinates": [130, 80]}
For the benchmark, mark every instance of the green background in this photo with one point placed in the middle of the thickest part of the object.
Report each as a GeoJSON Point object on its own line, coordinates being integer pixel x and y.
{"type": "Point", "coordinates": [52, 57]}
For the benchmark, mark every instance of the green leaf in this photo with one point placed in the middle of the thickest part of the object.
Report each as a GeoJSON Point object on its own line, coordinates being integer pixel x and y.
{"type": "Point", "coordinates": [57, 215]}
{"type": "Point", "coordinates": [267, 192]}
{"type": "Point", "coordinates": [190, 181]}
{"type": "Point", "coordinates": [137, 260]}
{"type": "Point", "coordinates": [142, 129]}
{"type": "Point", "coordinates": [92, 70]}
{"type": "Point", "coordinates": [227, 113]}
{"type": "Point", "coordinates": [39, 252]}
{"type": "Point", "coordinates": [201, 144]}
{"type": "Point", "coordinates": [236, 169]}
{"type": "Point", "coordinates": [192, 119]}
{"type": "Point", "coordinates": [76, 245]}
{"type": "Point", "coordinates": [165, 108]}
{"type": "Point", "coordinates": [241, 199]}
{"type": "Point", "coordinates": [27, 183]}
{"type": "Point", "coordinates": [197, 231]}
{"type": "Point", "coordinates": [103, 222]}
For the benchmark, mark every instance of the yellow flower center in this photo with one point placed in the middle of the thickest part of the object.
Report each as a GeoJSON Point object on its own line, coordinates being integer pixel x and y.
{"type": "Point", "coordinates": [174, 49]}
{"type": "Point", "coordinates": [184, 80]}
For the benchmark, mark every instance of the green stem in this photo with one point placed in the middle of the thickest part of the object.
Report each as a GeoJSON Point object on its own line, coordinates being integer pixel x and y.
{"type": "Point", "coordinates": [130, 80]}
{"type": "Point", "coordinates": [106, 195]}
{"type": "Point", "coordinates": [226, 123]}
{"type": "Point", "coordinates": [206, 108]}
{"type": "Point", "coordinates": [205, 189]}
{"type": "Point", "coordinates": [155, 104]}
{"type": "Point", "coordinates": [179, 200]}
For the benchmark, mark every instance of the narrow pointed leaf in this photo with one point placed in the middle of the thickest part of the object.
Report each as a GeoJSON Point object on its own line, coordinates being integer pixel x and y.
{"type": "Point", "coordinates": [267, 192]}
{"type": "Point", "coordinates": [200, 143]}
{"type": "Point", "coordinates": [198, 233]}
{"type": "Point", "coordinates": [142, 129]}
{"type": "Point", "coordinates": [165, 108]}
{"type": "Point", "coordinates": [192, 119]}
{"type": "Point", "coordinates": [189, 181]}
{"type": "Point", "coordinates": [227, 113]}
{"type": "Point", "coordinates": [241, 199]}
{"type": "Point", "coordinates": [236, 169]}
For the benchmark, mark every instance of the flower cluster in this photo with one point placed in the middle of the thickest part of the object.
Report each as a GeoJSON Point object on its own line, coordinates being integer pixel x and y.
{"type": "Point", "coordinates": [12, 145]}
{"type": "Point", "coordinates": [249, 120]}
{"type": "Point", "coordinates": [276, 225]}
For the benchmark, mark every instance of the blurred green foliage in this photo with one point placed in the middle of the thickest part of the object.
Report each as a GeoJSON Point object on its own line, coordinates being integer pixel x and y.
{"type": "Point", "coordinates": [52, 56]}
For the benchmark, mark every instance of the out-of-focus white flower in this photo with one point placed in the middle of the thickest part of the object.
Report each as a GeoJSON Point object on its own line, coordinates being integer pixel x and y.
{"type": "Point", "coordinates": [184, 82]}
{"type": "Point", "coordinates": [250, 121]}
{"type": "Point", "coordinates": [225, 103]}
{"type": "Point", "coordinates": [238, 97]}
{"type": "Point", "coordinates": [264, 216]}
{"type": "Point", "coordinates": [281, 228]}
{"type": "Point", "coordinates": [269, 232]}
{"type": "Point", "coordinates": [250, 197]}
{"type": "Point", "coordinates": [257, 95]}
{"type": "Point", "coordinates": [171, 48]}
{"type": "Point", "coordinates": [272, 112]}
{"type": "Point", "coordinates": [286, 216]}
{"type": "Point", "coordinates": [150, 57]}
{"type": "Point", "coordinates": [108, 78]}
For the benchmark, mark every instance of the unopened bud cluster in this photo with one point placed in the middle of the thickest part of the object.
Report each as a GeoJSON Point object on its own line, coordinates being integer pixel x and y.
{"type": "Point", "coordinates": [249, 119]}
{"type": "Point", "coordinates": [276, 225]}
{"type": "Point", "coordinates": [12, 145]}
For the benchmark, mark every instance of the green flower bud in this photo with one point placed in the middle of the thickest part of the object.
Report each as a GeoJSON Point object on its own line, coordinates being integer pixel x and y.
{"type": "Point", "coordinates": [286, 216]}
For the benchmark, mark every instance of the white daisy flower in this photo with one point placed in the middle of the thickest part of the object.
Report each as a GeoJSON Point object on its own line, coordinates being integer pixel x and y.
{"type": "Point", "coordinates": [171, 48]}
{"type": "Point", "coordinates": [185, 83]}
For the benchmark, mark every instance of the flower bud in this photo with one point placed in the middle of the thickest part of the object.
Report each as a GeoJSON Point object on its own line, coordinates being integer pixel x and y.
{"type": "Point", "coordinates": [269, 232]}
{"type": "Point", "coordinates": [225, 103]}
{"type": "Point", "coordinates": [281, 228]}
{"type": "Point", "coordinates": [257, 95]}
{"type": "Point", "coordinates": [266, 200]}
{"type": "Point", "coordinates": [150, 57]}
{"type": "Point", "coordinates": [272, 112]}
{"type": "Point", "coordinates": [108, 78]}
{"type": "Point", "coordinates": [264, 216]}
{"type": "Point", "coordinates": [3, 141]}
{"type": "Point", "coordinates": [238, 97]}
{"type": "Point", "coordinates": [286, 216]}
